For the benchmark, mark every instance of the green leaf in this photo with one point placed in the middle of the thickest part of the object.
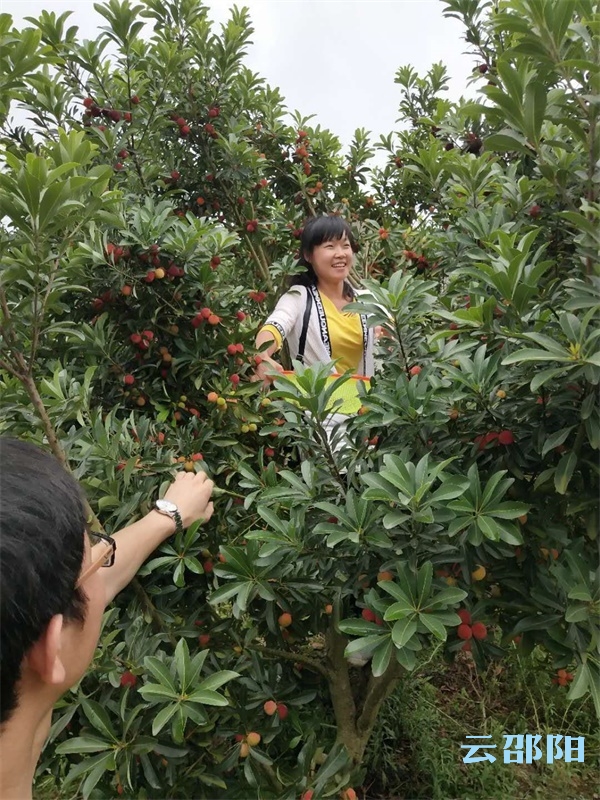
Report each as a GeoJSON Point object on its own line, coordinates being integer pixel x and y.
{"type": "Point", "coordinates": [225, 592]}
{"type": "Point", "coordinates": [98, 717]}
{"type": "Point", "coordinates": [580, 592]}
{"type": "Point", "coordinates": [159, 671]}
{"type": "Point", "coordinates": [507, 142]}
{"type": "Point", "coordinates": [84, 744]}
{"type": "Point", "coordinates": [403, 630]}
{"type": "Point", "coordinates": [433, 624]}
{"type": "Point", "coordinates": [336, 762]}
{"type": "Point", "coordinates": [358, 627]}
{"type": "Point", "coordinates": [564, 472]}
{"type": "Point", "coordinates": [447, 597]}
{"type": "Point", "coordinates": [381, 658]}
{"type": "Point", "coordinates": [530, 354]}
{"type": "Point", "coordinates": [217, 679]}
{"type": "Point", "coordinates": [534, 109]}
{"type": "Point", "coordinates": [156, 691]}
{"type": "Point", "coordinates": [424, 578]}
{"type": "Point", "coordinates": [364, 643]}
{"type": "Point", "coordinates": [182, 663]}
{"type": "Point", "coordinates": [398, 610]}
{"type": "Point", "coordinates": [163, 716]}
{"type": "Point", "coordinates": [508, 510]}
{"type": "Point", "coordinates": [207, 698]}
{"type": "Point", "coordinates": [555, 439]}
{"type": "Point", "coordinates": [580, 683]}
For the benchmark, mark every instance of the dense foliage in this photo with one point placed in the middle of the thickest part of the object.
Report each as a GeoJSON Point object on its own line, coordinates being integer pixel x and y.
{"type": "Point", "coordinates": [151, 210]}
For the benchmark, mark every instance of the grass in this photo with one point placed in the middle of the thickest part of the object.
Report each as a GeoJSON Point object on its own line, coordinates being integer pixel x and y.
{"type": "Point", "coordinates": [415, 749]}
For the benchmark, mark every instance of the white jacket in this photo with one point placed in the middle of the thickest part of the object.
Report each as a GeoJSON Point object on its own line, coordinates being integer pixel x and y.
{"type": "Point", "coordinates": [287, 317]}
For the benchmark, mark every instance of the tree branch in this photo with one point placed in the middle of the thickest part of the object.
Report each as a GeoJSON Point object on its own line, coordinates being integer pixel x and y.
{"type": "Point", "coordinates": [298, 657]}
{"type": "Point", "coordinates": [377, 690]}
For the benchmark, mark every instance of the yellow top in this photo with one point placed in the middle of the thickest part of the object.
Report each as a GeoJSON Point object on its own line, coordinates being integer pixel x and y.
{"type": "Point", "coordinates": [345, 335]}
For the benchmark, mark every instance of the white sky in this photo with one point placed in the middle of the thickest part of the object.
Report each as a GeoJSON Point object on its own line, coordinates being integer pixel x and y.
{"type": "Point", "coordinates": [332, 58]}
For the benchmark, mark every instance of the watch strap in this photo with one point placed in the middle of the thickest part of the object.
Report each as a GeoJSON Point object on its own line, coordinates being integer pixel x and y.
{"type": "Point", "coordinates": [178, 522]}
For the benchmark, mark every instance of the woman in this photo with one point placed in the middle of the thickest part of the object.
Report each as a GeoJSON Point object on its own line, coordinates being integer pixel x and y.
{"type": "Point", "coordinates": [310, 314]}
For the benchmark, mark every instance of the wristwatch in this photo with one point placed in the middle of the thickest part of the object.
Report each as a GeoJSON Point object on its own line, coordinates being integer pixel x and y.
{"type": "Point", "coordinates": [169, 509]}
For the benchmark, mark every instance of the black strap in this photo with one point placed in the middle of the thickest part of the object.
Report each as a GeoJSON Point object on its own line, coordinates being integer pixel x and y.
{"type": "Point", "coordinates": [304, 332]}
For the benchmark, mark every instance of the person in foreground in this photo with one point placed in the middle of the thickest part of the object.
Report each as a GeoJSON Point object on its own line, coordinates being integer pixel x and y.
{"type": "Point", "coordinates": [55, 582]}
{"type": "Point", "coordinates": [315, 303]}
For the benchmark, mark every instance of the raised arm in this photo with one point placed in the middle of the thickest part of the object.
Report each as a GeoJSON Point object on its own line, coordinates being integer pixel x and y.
{"type": "Point", "coordinates": [277, 327]}
{"type": "Point", "coordinates": [191, 494]}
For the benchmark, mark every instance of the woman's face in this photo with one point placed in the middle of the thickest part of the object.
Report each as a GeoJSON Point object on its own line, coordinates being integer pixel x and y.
{"type": "Point", "coordinates": [332, 260]}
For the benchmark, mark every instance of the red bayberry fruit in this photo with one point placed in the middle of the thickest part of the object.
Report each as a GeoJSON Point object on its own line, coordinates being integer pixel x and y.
{"type": "Point", "coordinates": [535, 211]}
{"type": "Point", "coordinates": [128, 679]}
{"type": "Point", "coordinates": [127, 116]}
{"type": "Point", "coordinates": [240, 315]}
{"type": "Point", "coordinates": [479, 630]}
{"type": "Point", "coordinates": [208, 566]}
{"type": "Point", "coordinates": [135, 100]}
{"type": "Point", "coordinates": [88, 102]}
{"type": "Point", "coordinates": [464, 631]}
{"type": "Point", "coordinates": [235, 379]}
{"type": "Point", "coordinates": [367, 614]}
{"type": "Point", "coordinates": [184, 131]}
{"type": "Point", "coordinates": [204, 639]}
{"type": "Point", "coordinates": [506, 437]}
{"type": "Point", "coordinates": [465, 616]}
{"type": "Point", "coordinates": [135, 338]}
{"type": "Point", "coordinates": [128, 380]}
{"type": "Point", "coordinates": [282, 710]}
{"type": "Point", "coordinates": [231, 349]}
{"type": "Point", "coordinates": [270, 707]}
{"type": "Point", "coordinates": [149, 335]}
{"type": "Point", "coordinates": [415, 370]}
{"type": "Point", "coordinates": [215, 261]}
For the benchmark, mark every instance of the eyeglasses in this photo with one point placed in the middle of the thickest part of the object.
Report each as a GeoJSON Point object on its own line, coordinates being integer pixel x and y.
{"type": "Point", "coordinates": [103, 555]}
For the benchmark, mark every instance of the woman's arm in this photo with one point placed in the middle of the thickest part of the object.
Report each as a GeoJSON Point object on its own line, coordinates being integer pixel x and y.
{"type": "Point", "coordinates": [267, 364]}
{"type": "Point", "coordinates": [191, 494]}
{"type": "Point", "coordinates": [282, 319]}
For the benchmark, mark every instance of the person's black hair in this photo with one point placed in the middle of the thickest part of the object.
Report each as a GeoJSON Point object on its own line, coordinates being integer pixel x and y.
{"type": "Point", "coordinates": [42, 528]}
{"type": "Point", "coordinates": [324, 228]}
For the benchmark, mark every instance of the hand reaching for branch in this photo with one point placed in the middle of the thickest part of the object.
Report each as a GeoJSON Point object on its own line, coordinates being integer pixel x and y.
{"type": "Point", "coordinates": [191, 491]}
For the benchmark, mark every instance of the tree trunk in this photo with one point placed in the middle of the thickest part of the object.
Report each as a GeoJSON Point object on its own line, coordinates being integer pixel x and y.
{"type": "Point", "coordinates": [356, 704]}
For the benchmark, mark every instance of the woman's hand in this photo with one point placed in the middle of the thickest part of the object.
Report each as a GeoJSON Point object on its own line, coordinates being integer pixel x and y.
{"type": "Point", "coordinates": [264, 370]}
{"type": "Point", "coordinates": [191, 491]}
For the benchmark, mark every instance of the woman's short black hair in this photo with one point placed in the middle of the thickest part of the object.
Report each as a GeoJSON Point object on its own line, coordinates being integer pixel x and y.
{"type": "Point", "coordinates": [42, 529]}
{"type": "Point", "coordinates": [324, 228]}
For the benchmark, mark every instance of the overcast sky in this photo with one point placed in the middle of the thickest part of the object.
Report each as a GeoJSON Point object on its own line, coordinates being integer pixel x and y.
{"type": "Point", "coordinates": [332, 58]}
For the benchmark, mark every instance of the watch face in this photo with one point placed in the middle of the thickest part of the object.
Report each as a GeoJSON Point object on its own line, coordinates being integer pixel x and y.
{"type": "Point", "coordinates": [166, 505]}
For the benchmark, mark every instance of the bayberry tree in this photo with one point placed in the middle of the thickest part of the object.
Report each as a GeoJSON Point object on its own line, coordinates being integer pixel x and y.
{"type": "Point", "coordinates": [152, 207]}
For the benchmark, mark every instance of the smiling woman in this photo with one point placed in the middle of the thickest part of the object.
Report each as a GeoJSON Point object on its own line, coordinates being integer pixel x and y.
{"type": "Point", "coordinates": [311, 316]}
